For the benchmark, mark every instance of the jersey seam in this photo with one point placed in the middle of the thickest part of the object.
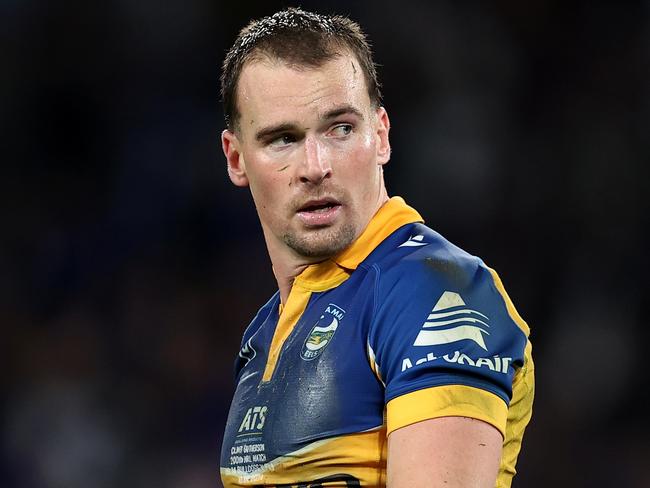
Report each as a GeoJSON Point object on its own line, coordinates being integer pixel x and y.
{"type": "Point", "coordinates": [447, 380]}
{"type": "Point", "coordinates": [371, 328]}
{"type": "Point", "coordinates": [377, 373]}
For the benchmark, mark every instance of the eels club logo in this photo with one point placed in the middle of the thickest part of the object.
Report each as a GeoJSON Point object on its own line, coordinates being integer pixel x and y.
{"type": "Point", "coordinates": [321, 334]}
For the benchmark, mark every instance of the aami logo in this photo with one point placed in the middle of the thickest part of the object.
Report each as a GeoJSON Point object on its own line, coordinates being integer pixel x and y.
{"type": "Point", "coordinates": [321, 335]}
{"type": "Point", "coordinates": [451, 321]}
{"type": "Point", "coordinates": [253, 420]}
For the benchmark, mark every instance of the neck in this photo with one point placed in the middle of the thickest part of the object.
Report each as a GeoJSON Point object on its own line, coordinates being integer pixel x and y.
{"type": "Point", "coordinates": [287, 264]}
{"type": "Point", "coordinates": [285, 274]}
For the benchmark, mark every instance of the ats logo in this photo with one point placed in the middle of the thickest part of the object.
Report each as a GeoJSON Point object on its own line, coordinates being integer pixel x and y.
{"type": "Point", "coordinates": [254, 419]}
{"type": "Point", "coordinates": [321, 334]}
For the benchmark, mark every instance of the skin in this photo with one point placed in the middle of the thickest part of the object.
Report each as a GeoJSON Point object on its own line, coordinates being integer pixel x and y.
{"type": "Point", "coordinates": [308, 136]}
{"type": "Point", "coordinates": [311, 147]}
{"type": "Point", "coordinates": [446, 452]}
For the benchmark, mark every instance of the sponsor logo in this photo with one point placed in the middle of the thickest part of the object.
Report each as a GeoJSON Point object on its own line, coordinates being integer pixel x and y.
{"type": "Point", "coordinates": [322, 332]}
{"type": "Point", "coordinates": [414, 241]}
{"type": "Point", "coordinates": [452, 321]}
{"type": "Point", "coordinates": [253, 420]}
{"type": "Point", "coordinates": [495, 363]}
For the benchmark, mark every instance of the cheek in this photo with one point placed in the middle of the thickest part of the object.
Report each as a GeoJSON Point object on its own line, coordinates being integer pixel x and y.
{"type": "Point", "coordinates": [269, 193]}
{"type": "Point", "coordinates": [269, 178]}
{"type": "Point", "coordinates": [360, 161]}
{"type": "Point", "coordinates": [366, 143]}
{"type": "Point", "coordinates": [362, 172]}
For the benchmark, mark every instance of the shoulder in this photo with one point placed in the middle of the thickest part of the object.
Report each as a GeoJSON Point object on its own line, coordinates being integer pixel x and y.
{"type": "Point", "coordinates": [420, 258]}
{"type": "Point", "coordinates": [436, 294]}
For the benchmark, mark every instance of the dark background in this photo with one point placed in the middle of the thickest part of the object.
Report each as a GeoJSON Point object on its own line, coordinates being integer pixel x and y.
{"type": "Point", "coordinates": [129, 265]}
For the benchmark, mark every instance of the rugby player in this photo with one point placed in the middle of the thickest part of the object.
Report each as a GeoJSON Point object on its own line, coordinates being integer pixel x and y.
{"type": "Point", "coordinates": [388, 356]}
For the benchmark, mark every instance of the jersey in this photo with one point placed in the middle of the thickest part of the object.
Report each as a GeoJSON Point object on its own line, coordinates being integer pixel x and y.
{"type": "Point", "coordinates": [401, 327]}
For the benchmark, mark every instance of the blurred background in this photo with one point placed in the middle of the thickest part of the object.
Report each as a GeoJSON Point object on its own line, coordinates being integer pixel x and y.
{"type": "Point", "coordinates": [129, 265]}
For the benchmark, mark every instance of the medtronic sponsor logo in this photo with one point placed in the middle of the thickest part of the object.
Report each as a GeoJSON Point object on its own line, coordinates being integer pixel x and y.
{"type": "Point", "coordinates": [444, 325]}
{"type": "Point", "coordinates": [321, 334]}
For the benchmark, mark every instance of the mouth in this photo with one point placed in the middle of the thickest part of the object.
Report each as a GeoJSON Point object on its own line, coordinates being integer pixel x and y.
{"type": "Point", "coordinates": [319, 213]}
{"type": "Point", "coordinates": [319, 206]}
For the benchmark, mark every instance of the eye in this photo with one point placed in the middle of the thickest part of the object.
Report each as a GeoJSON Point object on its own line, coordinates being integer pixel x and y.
{"type": "Point", "coordinates": [282, 140]}
{"type": "Point", "coordinates": [341, 130]}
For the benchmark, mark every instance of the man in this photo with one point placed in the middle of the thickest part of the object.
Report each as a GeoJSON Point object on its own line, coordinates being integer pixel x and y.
{"type": "Point", "coordinates": [388, 356]}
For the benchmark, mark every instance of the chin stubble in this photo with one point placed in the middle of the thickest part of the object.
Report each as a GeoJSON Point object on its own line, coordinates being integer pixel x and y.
{"type": "Point", "coordinates": [321, 243]}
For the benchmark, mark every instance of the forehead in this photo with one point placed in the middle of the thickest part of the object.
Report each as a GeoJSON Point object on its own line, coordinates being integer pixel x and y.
{"type": "Point", "coordinates": [272, 91]}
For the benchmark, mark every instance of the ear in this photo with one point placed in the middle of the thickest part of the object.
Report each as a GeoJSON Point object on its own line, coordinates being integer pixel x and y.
{"type": "Point", "coordinates": [234, 157]}
{"type": "Point", "coordinates": [383, 128]}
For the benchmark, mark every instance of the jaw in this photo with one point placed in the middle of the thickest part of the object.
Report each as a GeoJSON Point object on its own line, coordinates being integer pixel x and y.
{"type": "Point", "coordinates": [299, 244]}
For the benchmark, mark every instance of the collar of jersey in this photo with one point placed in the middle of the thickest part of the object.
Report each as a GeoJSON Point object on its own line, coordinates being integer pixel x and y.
{"type": "Point", "coordinates": [391, 216]}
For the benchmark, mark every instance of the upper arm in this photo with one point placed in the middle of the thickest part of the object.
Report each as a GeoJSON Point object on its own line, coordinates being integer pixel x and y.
{"type": "Point", "coordinates": [444, 452]}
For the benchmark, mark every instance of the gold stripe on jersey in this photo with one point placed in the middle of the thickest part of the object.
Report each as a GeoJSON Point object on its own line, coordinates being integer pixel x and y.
{"type": "Point", "coordinates": [519, 414]}
{"type": "Point", "coordinates": [447, 401]}
{"type": "Point", "coordinates": [372, 360]}
{"type": "Point", "coordinates": [361, 455]}
{"type": "Point", "coordinates": [512, 311]}
{"type": "Point", "coordinates": [391, 216]}
{"type": "Point", "coordinates": [291, 312]}
{"type": "Point", "coordinates": [521, 404]}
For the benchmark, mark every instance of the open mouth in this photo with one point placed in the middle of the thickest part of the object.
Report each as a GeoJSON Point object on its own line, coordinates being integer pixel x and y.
{"type": "Point", "coordinates": [319, 212]}
{"type": "Point", "coordinates": [319, 206]}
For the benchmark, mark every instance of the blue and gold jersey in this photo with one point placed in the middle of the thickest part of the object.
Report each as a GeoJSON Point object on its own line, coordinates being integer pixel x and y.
{"type": "Point", "coordinates": [401, 327]}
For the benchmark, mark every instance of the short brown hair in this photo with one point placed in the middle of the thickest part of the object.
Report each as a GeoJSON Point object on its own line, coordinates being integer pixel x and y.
{"type": "Point", "coordinates": [299, 38]}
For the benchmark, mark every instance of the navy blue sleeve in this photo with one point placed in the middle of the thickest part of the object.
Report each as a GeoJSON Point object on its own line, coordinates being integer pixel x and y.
{"type": "Point", "coordinates": [440, 320]}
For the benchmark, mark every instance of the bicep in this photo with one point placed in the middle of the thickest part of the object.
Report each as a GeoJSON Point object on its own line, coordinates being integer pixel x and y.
{"type": "Point", "coordinates": [449, 452]}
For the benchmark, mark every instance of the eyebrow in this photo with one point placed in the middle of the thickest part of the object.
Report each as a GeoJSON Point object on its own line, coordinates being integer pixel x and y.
{"type": "Point", "coordinates": [272, 130]}
{"type": "Point", "coordinates": [342, 110]}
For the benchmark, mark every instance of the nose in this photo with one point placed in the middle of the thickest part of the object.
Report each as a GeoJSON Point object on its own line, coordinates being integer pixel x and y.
{"type": "Point", "coordinates": [316, 165]}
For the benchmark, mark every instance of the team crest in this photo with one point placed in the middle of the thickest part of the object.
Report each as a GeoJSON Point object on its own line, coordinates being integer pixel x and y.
{"type": "Point", "coordinates": [321, 334]}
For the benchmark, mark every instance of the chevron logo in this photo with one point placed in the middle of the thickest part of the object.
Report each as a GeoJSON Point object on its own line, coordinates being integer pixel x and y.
{"type": "Point", "coordinates": [452, 321]}
{"type": "Point", "coordinates": [414, 241]}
